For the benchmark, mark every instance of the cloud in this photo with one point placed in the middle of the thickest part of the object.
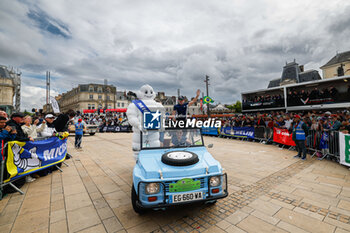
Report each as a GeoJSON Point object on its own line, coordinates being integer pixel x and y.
{"type": "Point", "coordinates": [241, 45]}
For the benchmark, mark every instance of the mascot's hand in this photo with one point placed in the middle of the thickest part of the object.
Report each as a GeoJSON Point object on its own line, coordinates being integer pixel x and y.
{"type": "Point", "coordinates": [16, 149]}
{"type": "Point", "coordinates": [144, 131]}
{"type": "Point", "coordinates": [33, 153]}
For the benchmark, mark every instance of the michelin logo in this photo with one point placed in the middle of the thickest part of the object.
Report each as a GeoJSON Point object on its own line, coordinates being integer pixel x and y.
{"type": "Point", "coordinates": [151, 120]}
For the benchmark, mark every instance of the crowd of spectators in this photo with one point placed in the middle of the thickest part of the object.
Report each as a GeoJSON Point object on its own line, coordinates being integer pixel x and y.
{"type": "Point", "coordinates": [329, 94]}
{"type": "Point", "coordinates": [264, 98]}
{"type": "Point", "coordinates": [20, 127]}
{"type": "Point", "coordinates": [105, 119]}
{"type": "Point", "coordinates": [315, 120]}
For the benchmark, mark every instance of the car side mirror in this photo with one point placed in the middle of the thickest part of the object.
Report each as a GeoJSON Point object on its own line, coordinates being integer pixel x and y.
{"type": "Point", "coordinates": [210, 145]}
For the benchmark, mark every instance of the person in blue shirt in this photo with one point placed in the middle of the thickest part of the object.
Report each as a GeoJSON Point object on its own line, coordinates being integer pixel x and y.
{"type": "Point", "coordinates": [79, 131]}
{"type": "Point", "coordinates": [300, 133]}
{"type": "Point", "coordinates": [180, 109]}
{"type": "Point", "coordinates": [6, 132]}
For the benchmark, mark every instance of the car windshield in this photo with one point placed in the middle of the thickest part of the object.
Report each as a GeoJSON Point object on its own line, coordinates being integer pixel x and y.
{"type": "Point", "coordinates": [172, 138]}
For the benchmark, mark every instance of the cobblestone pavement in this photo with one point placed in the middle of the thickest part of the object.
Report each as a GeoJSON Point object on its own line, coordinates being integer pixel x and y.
{"type": "Point", "coordinates": [270, 191]}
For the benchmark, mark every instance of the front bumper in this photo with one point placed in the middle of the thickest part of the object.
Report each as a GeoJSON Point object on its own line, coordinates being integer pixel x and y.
{"type": "Point", "coordinates": [166, 195]}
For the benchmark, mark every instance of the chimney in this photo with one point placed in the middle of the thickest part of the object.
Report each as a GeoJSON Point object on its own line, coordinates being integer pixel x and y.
{"type": "Point", "coordinates": [301, 67]}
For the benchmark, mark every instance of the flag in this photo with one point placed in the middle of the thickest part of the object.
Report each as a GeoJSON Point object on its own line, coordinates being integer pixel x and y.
{"type": "Point", "coordinates": [324, 141]}
{"type": "Point", "coordinates": [54, 104]}
{"type": "Point", "coordinates": [344, 147]}
{"type": "Point", "coordinates": [207, 100]}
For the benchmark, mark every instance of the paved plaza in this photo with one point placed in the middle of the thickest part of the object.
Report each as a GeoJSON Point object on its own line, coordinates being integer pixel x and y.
{"type": "Point", "coordinates": [269, 191]}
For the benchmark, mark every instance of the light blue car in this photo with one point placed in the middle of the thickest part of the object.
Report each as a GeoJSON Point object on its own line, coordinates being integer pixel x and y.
{"type": "Point", "coordinates": [179, 171]}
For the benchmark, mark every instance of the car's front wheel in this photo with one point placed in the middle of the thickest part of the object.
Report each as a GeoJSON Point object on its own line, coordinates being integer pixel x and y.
{"type": "Point", "coordinates": [92, 134]}
{"type": "Point", "coordinates": [136, 208]}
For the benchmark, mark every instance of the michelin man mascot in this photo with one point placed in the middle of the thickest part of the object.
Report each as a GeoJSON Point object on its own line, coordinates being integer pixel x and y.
{"type": "Point", "coordinates": [135, 112]}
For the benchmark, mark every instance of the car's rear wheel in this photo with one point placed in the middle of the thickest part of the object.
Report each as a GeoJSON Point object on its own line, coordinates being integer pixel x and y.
{"type": "Point", "coordinates": [136, 208]}
{"type": "Point", "coordinates": [92, 134]}
{"type": "Point", "coordinates": [180, 158]}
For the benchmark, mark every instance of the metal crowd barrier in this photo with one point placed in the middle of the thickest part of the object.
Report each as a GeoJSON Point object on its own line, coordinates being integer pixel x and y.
{"type": "Point", "coordinates": [324, 143]}
{"type": "Point", "coordinates": [319, 143]}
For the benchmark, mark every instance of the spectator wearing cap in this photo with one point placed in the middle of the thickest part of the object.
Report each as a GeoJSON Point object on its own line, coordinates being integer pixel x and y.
{"type": "Point", "coordinates": [180, 109]}
{"type": "Point", "coordinates": [300, 132]}
{"type": "Point", "coordinates": [79, 131]}
{"type": "Point", "coordinates": [49, 129]}
{"type": "Point", "coordinates": [15, 122]}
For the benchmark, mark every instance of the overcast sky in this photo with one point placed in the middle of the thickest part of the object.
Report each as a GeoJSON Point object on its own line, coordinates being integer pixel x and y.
{"type": "Point", "coordinates": [241, 44]}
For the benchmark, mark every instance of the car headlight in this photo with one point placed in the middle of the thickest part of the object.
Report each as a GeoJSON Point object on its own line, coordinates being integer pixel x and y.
{"type": "Point", "coordinates": [215, 181]}
{"type": "Point", "coordinates": [152, 188]}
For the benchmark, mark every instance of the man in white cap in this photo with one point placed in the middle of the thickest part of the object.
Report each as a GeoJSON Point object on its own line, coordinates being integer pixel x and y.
{"type": "Point", "coordinates": [49, 129]}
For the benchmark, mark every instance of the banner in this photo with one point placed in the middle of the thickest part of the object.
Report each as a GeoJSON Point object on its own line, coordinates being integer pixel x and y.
{"type": "Point", "coordinates": [241, 132]}
{"type": "Point", "coordinates": [282, 136]}
{"type": "Point", "coordinates": [54, 104]}
{"type": "Point", "coordinates": [210, 131]}
{"type": "Point", "coordinates": [344, 146]}
{"type": "Point", "coordinates": [24, 158]}
{"type": "Point", "coordinates": [113, 128]}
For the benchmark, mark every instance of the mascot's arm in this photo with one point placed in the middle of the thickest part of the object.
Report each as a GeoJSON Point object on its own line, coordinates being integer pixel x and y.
{"type": "Point", "coordinates": [132, 114]}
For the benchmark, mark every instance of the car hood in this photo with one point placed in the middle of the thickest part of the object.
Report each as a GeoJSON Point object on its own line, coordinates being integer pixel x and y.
{"type": "Point", "coordinates": [151, 165]}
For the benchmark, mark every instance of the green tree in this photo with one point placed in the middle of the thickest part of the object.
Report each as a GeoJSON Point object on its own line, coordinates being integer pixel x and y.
{"type": "Point", "coordinates": [237, 106]}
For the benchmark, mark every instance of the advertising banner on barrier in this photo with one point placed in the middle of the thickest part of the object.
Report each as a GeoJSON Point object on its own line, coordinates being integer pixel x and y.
{"type": "Point", "coordinates": [112, 128]}
{"type": "Point", "coordinates": [344, 146]}
{"type": "Point", "coordinates": [210, 131]}
{"type": "Point", "coordinates": [240, 132]}
{"type": "Point", "coordinates": [24, 158]}
{"type": "Point", "coordinates": [282, 136]}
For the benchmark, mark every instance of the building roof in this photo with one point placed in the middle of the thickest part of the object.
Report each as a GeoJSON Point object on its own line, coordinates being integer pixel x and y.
{"type": "Point", "coordinates": [338, 58]}
{"type": "Point", "coordinates": [274, 83]}
{"type": "Point", "coordinates": [309, 75]}
{"type": "Point", "coordinates": [4, 72]}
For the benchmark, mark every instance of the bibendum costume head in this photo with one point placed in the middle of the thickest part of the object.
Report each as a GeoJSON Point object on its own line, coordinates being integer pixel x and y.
{"type": "Point", "coordinates": [146, 93]}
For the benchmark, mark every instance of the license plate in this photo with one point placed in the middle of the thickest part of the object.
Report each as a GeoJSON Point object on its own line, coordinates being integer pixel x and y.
{"type": "Point", "coordinates": [185, 197]}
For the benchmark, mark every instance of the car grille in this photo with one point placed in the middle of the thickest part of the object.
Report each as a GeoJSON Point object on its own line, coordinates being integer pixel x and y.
{"type": "Point", "coordinates": [167, 183]}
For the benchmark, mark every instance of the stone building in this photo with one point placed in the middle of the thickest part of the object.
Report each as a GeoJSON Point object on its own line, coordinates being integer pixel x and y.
{"type": "Point", "coordinates": [9, 88]}
{"type": "Point", "coordinates": [124, 98]}
{"type": "Point", "coordinates": [88, 96]}
{"type": "Point", "coordinates": [338, 66]}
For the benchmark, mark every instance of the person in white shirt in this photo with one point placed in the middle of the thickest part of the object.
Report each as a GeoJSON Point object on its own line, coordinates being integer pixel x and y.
{"type": "Point", "coordinates": [31, 130]}
{"type": "Point", "coordinates": [49, 129]}
{"type": "Point", "coordinates": [288, 122]}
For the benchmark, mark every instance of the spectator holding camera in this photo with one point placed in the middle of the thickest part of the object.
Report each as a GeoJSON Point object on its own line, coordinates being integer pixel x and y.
{"type": "Point", "coordinates": [30, 129]}
{"type": "Point", "coordinates": [6, 132]}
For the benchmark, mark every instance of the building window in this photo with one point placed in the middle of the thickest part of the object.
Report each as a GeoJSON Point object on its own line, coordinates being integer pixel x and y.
{"type": "Point", "coordinates": [118, 105]}
{"type": "Point", "coordinates": [99, 97]}
{"type": "Point", "coordinates": [91, 89]}
{"type": "Point", "coordinates": [100, 106]}
{"type": "Point", "coordinates": [89, 106]}
{"type": "Point", "coordinates": [109, 106]}
{"type": "Point", "coordinates": [91, 97]}
{"type": "Point", "coordinates": [122, 105]}
{"type": "Point", "coordinates": [99, 89]}
{"type": "Point", "coordinates": [108, 97]}
{"type": "Point", "coordinates": [92, 106]}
